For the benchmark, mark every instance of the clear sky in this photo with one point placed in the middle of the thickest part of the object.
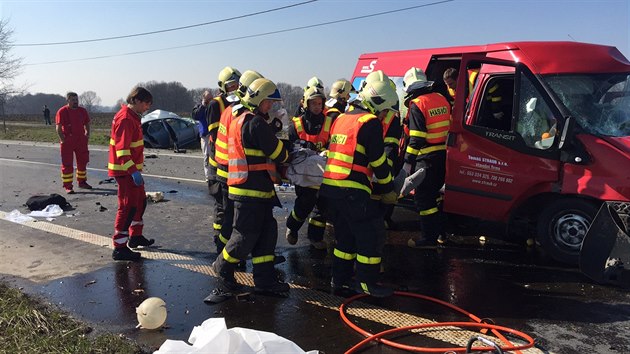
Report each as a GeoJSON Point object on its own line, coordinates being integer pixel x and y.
{"type": "Point", "coordinates": [329, 51]}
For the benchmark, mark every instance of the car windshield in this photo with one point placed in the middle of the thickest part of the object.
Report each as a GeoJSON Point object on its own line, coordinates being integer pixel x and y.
{"type": "Point", "coordinates": [600, 103]}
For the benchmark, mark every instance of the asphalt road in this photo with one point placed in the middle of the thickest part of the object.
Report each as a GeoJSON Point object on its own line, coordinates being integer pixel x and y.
{"type": "Point", "coordinates": [67, 261]}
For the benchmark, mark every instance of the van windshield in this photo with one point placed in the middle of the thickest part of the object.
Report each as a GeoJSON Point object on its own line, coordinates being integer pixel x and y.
{"type": "Point", "coordinates": [600, 103]}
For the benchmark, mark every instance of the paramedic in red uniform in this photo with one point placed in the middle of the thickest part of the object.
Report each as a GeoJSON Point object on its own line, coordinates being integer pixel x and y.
{"type": "Point", "coordinates": [73, 128]}
{"type": "Point", "coordinates": [126, 148]}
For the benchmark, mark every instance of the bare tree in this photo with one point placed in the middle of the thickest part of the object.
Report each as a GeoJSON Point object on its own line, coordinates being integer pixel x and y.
{"type": "Point", "coordinates": [10, 66]}
{"type": "Point", "coordinates": [89, 100]}
{"type": "Point", "coordinates": [291, 96]}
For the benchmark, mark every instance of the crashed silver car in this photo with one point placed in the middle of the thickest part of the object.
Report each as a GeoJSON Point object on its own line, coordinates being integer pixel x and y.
{"type": "Point", "coordinates": [166, 130]}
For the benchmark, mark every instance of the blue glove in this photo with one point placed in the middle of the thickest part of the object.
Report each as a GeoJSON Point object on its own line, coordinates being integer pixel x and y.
{"type": "Point", "coordinates": [137, 178]}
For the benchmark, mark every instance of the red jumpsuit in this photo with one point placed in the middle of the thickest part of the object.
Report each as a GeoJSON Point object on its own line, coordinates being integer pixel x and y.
{"type": "Point", "coordinates": [73, 123]}
{"type": "Point", "coordinates": [126, 156]}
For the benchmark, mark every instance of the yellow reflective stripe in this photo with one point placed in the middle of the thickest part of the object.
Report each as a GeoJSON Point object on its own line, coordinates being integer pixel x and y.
{"type": "Point", "coordinates": [254, 152]}
{"type": "Point", "coordinates": [221, 155]}
{"type": "Point", "coordinates": [390, 162]}
{"type": "Point", "coordinates": [344, 255]}
{"type": "Point", "coordinates": [111, 141]}
{"type": "Point", "coordinates": [135, 144]}
{"type": "Point", "coordinates": [384, 180]}
{"type": "Point", "coordinates": [346, 184]}
{"type": "Point", "coordinates": [277, 151]}
{"type": "Point", "coordinates": [368, 260]}
{"type": "Point", "coordinates": [212, 162]}
{"type": "Point", "coordinates": [496, 99]}
{"type": "Point", "coordinates": [337, 169]}
{"type": "Point", "coordinates": [66, 179]}
{"type": "Point", "coordinates": [295, 216]}
{"type": "Point", "coordinates": [262, 259]}
{"type": "Point", "coordinates": [223, 239]}
{"type": "Point", "coordinates": [432, 149]}
{"type": "Point", "coordinates": [327, 124]}
{"type": "Point", "coordinates": [365, 289]}
{"type": "Point", "coordinates": [437, 135]}
{"type": "Point", "coordinates": [229, 258]}
{"type": "Point", "coordinates": [120, 153]}
{"type": "Point", "coordinates": [493, 88]}
{"type": "Point", "coordinates": [213, 125]}
{"type": "Point", "coordinates": [441, 124]}
{"type": "Point", "coordinates": [361, 149]}
{"type": "Point", "coordinates": [222, 144]}
{"type": "Point", "coordinates": [81, 173]}
{"type": "Point", "coordinates": [216, 226]}
{"type": "Point", "coordinates": [66, 175]}
{"type": "Point", "coordinates": [117, 167]}
{"type": "Point", "coordinates": [366, 117]}
{"type": "Point", "coordinates": [316, 223]}
{"type": "Point", "coordinates": [391, 140]}
{"type": "Point", "coordinates": [378, 161]}
{"type": "Point", "coordinates": [298, 124]}
{"type": "Point", "coordinates": [412, 151]}
{"type": "Point", "coordinates": [340, 156]}
{"type": "Point", "coordinates": [428, 211]}
{"type": "Point", "coordinates": [222, 173]}
{"type": "Point", "coordinates": [417, 133]}
{"type": "Point", "coordinates": [250, 192]}
{"type": "Point", "coordinates": [139, 166]}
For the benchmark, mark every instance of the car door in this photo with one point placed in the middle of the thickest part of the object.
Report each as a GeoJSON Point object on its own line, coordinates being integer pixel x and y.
{"type": "Point", "coordinates": [494, 164]}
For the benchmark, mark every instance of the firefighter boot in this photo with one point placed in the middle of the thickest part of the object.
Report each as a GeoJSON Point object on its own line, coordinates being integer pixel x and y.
{"type": "Point", "coordinates": [292, 237]}
{"type": "Point", "coordinates": [266, 282]}
{"type": "Point", "coordinates": [367, 274]}
{"type": "Point", "coordinates": [125, 254]}
{"type": "Point", "coordinates": [135, 241]}
{"type": "Point", "coordinates": [342, 283]}
{"type": "Point", "coordinates": [223, 290]}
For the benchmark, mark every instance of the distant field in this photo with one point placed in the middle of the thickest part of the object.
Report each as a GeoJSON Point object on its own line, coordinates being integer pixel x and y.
{"type": "Point", "coordinates": [32, 128]}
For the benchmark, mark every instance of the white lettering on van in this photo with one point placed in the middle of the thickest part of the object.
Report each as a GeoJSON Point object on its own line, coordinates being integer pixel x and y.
{"type": "Point", "coordinates": [368, 68]}
{"type": "Point", "coordinates": [500, 136]}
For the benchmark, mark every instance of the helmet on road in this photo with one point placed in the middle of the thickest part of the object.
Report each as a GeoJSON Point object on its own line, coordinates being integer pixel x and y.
{"type": "Point", "coordinates": [151, 313]}
{"type": "Point", "coordinates": [312, 93]}
{"type": "Point", "coordinates": [246, 79]}
{"type": "Point", "coordinates": [379, 96]}
{"type": "Point", "coordinates": [260, 90]}
{"type": "Point", "coordinates": [226, 76]}
{"type": "Point", "coordinates": [415, 79]}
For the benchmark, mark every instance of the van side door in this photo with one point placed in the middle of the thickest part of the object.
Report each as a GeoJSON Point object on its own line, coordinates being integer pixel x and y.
{"type": "Point", "coordinates": [502, 147]}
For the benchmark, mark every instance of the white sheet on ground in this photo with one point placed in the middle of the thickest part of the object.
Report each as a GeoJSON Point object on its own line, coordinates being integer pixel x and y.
{"type": "Point", "coordinates": [49, 211]}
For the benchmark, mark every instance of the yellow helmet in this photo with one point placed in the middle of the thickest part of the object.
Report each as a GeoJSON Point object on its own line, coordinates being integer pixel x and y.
{"type": "Point", "coordinates": [341, 89]}
{"type": "Point", "coordinates": [260, 90]}
{"type": "Point", "coordinates": [246, 79]}
{"type": "Point", "coordinates": [228, 75]}
{"type": "Point", "coordinates": [314, 82]}
{"type": "Point", "coordinates": [375, 76]}
{"type": "Point", "coordinates": [415, 79]}
{"type": "Point", "coordinates": [311, 93]}
{"type": "Point", "coordinates": [379, 96]}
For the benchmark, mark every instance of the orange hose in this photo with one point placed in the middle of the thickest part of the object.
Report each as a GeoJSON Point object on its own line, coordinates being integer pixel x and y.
{"type": "Point", "coordinates": [496, 330]}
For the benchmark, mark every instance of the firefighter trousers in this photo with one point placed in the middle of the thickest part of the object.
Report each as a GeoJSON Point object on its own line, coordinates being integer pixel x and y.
{"type": "Point", "coordinates": [360, 234]}
{"type": "Point", "coordinates": [228, 219]}
{"type": "Point", "coordinates": [256, 232]}
{"type": "Point", "coordinates": [215, 190]}
{"type": "Point", "coordinates": [308, 202]}
{"type": "Point", "coordinates": [70, 149]}
{"type": "Point", "coordinates": [427, 196]}
{"type": "Point", "coordinates": [131, 204]}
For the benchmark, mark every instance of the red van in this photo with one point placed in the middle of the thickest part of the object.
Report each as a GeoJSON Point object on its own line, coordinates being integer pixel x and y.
{"type": "Point", "coordinates": [561, 148]}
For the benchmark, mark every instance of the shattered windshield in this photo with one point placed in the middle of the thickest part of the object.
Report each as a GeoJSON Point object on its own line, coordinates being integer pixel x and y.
{"type": "Point", "coordinates": [600, 103]}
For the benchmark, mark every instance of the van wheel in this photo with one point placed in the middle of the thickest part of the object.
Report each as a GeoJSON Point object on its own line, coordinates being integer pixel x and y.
{"type": "Point", "coordinates": [562, 227]}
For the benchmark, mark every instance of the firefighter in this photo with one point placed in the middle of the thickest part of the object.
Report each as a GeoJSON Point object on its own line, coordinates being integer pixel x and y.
{"type": "Point", "coordinates": [312, 82]}
{"type": "Point", "coordinates": [252, 150]}
{"type": "Point", "coordinates": [450, 80]}
{"type": "Point", "coordinates": [339, 98]}
{"type": "Point", "coordinates": [311, 130]}
{"type": "Point", "coordinates": [228, 83]}
{"type": "Point", "coordinates": [356, 153]}
{"type": "Point", "coordinates": [126, 148]}
{"type": "Point", "coordinates": [429, 115]}
{"type": "Point", "coordinates": [222, 159]}
{"type": "Point", "coordinates": [73, 129]}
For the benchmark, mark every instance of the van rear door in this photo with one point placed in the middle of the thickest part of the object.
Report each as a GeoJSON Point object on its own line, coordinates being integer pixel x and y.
{"type": "Point", "coordinates": [502, 147]}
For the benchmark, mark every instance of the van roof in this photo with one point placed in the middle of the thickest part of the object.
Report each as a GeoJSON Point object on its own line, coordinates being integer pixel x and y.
{"type": "Point", "coordinates": [540, 57]}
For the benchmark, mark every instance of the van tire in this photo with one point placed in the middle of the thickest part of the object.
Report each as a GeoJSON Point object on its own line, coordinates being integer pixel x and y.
{"type": "Point", "coordinates": [562, 226]}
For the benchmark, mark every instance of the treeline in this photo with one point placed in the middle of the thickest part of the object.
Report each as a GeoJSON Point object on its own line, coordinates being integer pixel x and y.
{"type": "Point", "coordinates": [169, 96]}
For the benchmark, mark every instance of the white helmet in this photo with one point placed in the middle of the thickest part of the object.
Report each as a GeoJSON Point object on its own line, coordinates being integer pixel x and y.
{"type": "Point", "coordinates": [379, 96]}
{"type": "Point", "coordinates": [151, 313]}
{"type": "Point", "coordinates": [246, 79]}
{"type": "Point", "coordinates": [415, 79]}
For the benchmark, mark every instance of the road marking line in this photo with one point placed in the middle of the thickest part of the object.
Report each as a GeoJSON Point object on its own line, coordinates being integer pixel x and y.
{"type": "Point", "coordinates": [317, 298]}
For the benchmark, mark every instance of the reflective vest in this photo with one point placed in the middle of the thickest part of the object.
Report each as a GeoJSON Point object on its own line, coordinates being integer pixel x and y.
{"type": "Point", "coordinates": [238, 167]}
{"type": "Point", "coordinates": [221, 145]}
{"type": "Point", "coordinates": [341, 152]}
{"type": "Point", "coordinates": [320, 140]}
{"type": "Point", "coordinates": [219, 99]}
{"type": "Point", "coordinates": [437, 115]}
{"type": "Point", "coordinates": [126, 146]}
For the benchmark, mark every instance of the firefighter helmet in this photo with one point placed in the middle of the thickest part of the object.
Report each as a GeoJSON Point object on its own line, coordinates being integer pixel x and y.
{"type": "Point", "coordinates": [341, 89]}
{"type": "Point", "coordinates": [311, 93]}
{"type": "Point", "coordinates": [246, 79]}
{"type": "Point", "coordinates": [415, 79]}
{"type": "Point", "coordinates": [375, 76]}
{"type": "Point", "coordinates": [151, 313]}
{"type": "Point", "coordinates": [227, 76]}
{"type": "Point", "coordinates": [379, 96]}
{"type": "Point", "coordinates": [260, 90]}
{"type": "Point", "coordinates": [314, 82]}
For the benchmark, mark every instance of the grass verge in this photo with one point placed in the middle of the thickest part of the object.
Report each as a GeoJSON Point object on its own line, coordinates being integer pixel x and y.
{"type": "Point", "coordinates": [46, 134]}
{"type": "Point", "coordinates": [29, 326]}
